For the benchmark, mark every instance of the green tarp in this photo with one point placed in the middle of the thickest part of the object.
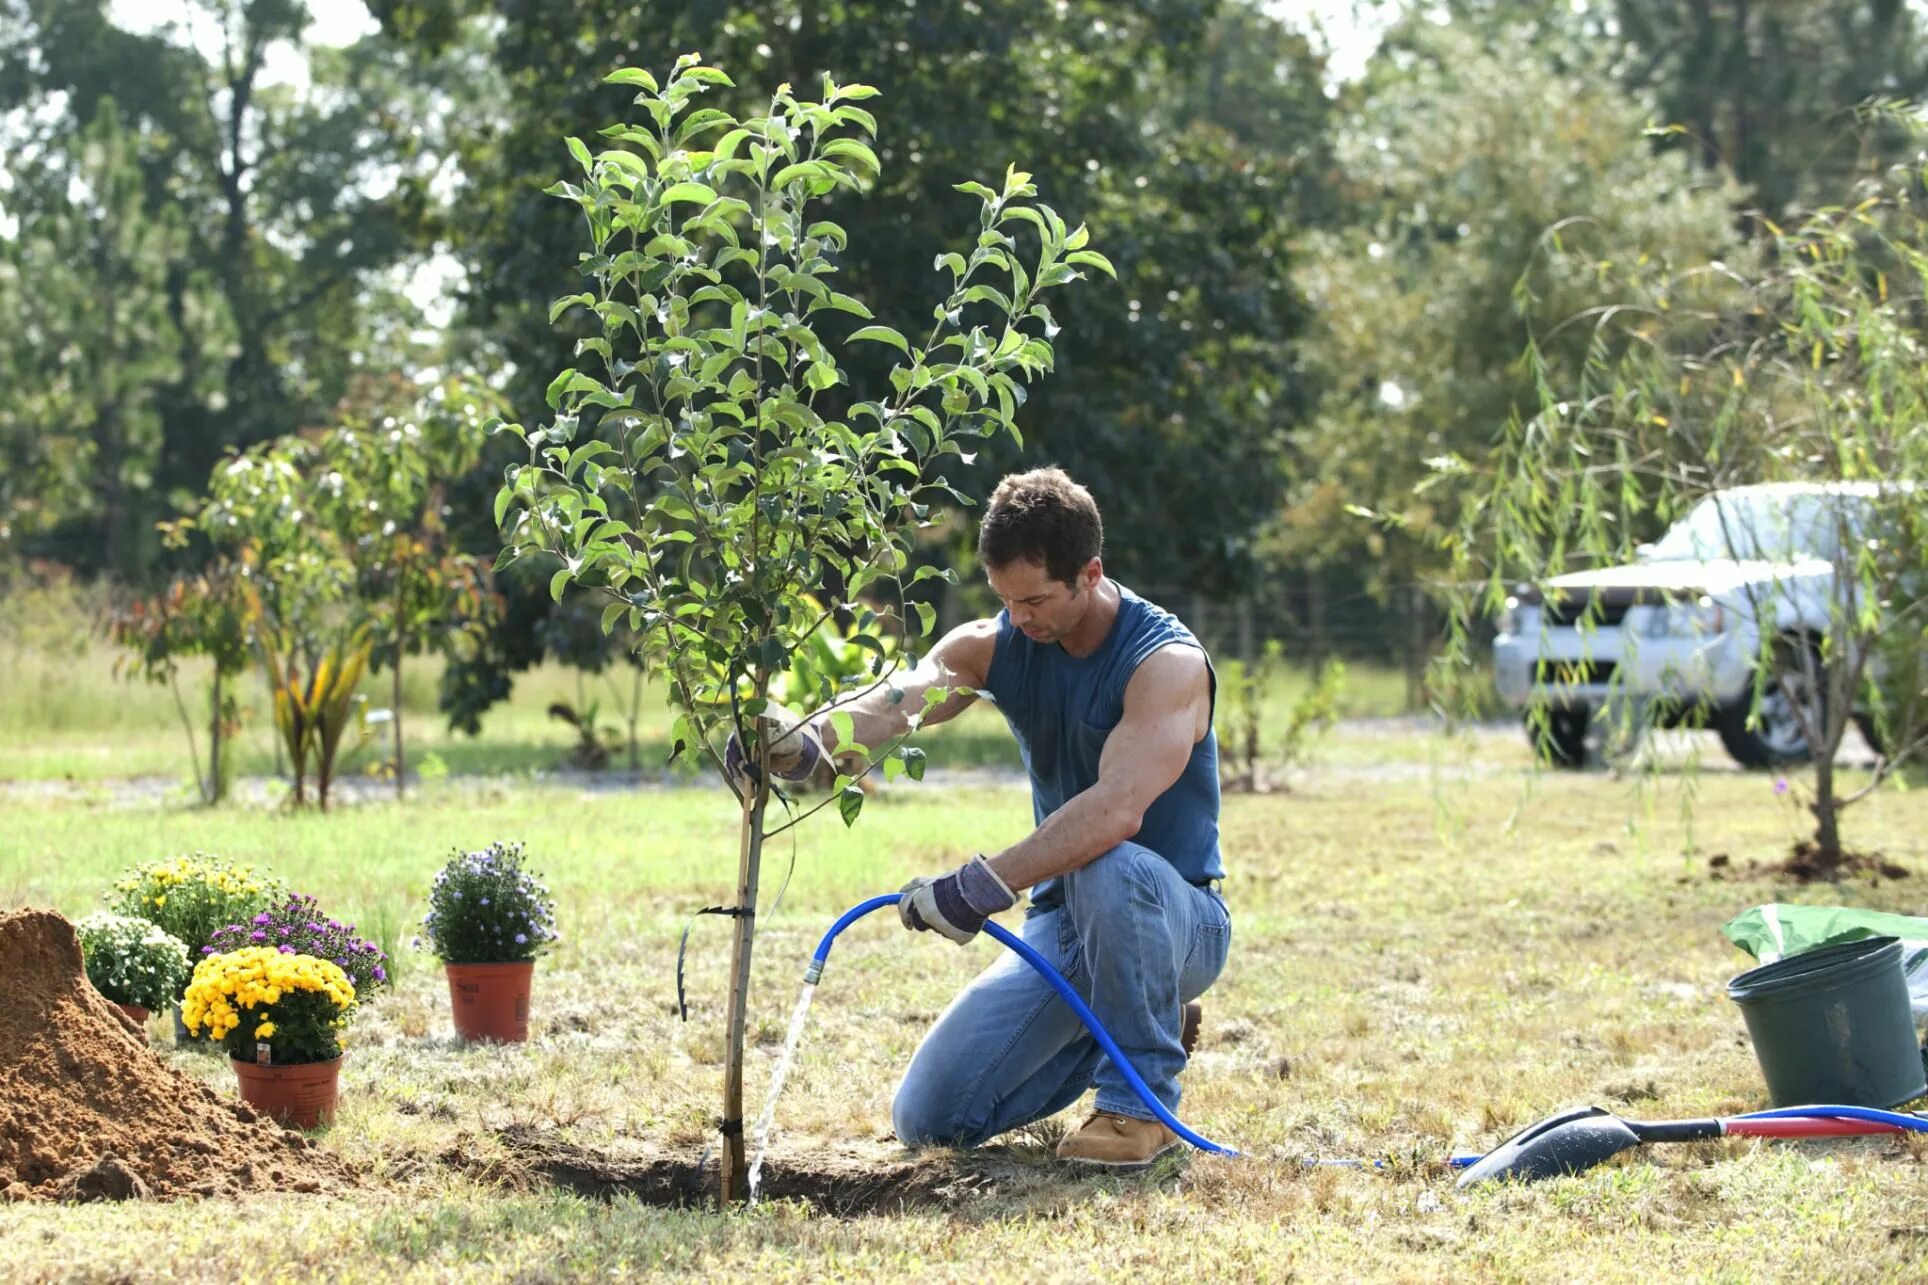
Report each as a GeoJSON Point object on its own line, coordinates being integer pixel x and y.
{"type": "Point", "coordinates": [1777, 929]}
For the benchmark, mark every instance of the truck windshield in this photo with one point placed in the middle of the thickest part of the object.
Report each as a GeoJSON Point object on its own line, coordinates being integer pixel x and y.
{"type": "Point", "coordinates": [1760, 526]}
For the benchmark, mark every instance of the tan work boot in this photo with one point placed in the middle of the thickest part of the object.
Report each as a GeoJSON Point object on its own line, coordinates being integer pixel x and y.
{"type": "Point", "coordinates": [1188, 1028]}
{"type": "Point", "coordinates": [1117, 1141]}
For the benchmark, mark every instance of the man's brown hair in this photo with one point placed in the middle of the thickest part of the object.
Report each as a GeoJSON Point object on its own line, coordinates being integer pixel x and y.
{"type": "Point", "coordinates": [1044, 517]}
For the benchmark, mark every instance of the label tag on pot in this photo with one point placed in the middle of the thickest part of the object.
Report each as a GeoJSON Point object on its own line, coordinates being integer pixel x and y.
{"type": "Point", "coordinates": [262, 1051]}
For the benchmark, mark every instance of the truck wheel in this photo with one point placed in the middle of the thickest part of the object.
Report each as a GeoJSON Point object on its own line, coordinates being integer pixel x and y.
{"type": "Point", "coordinates": [1563, 743]}
{"type": "Point", "coordinates": [1779, 736]}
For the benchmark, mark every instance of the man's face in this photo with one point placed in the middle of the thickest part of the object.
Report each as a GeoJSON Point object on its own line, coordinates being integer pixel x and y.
{"type": "Point", "coordinates": [1044, 608]}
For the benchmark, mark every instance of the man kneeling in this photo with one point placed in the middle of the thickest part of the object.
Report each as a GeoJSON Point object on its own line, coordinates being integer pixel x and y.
{"type": "Point", "coordinates": [1110, 699]}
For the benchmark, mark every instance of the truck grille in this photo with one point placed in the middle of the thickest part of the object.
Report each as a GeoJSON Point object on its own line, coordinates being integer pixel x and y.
{"type": "Point", "coordinates": [1574, 673]}
{"type": "Point", "coordinates": [1569, 610]}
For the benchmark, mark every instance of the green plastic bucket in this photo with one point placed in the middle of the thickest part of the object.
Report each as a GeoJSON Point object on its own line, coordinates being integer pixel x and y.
{"type": "Point", "coordinates": [1833, 1025]}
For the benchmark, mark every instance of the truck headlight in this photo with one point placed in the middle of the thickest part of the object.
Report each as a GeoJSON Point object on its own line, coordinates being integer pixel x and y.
{"type": "Point", "coordinates": [1702, 618]}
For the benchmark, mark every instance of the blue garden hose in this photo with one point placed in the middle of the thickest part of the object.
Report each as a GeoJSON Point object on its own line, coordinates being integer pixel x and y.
{"type": "Point", "coordinates": [814, 973]}
{"type": "Point", "coordinates": [1059, 984]}
{"type": "Point", "coordinates": [1873, 1115]}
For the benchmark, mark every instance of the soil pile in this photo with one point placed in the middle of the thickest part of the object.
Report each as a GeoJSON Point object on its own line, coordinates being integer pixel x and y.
{"type": "Point", "coordinates": [89, 1112]}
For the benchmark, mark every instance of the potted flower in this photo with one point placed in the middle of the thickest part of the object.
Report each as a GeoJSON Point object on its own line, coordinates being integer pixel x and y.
{"type": "Point", "coordinates": [190, 897]}
{"type": "Point", "coordinates": [132, 962]}
{"type": "Point", "coordinates": [487, 921]}
{"type": "Point", "coordinates": [280, 1018]}
{"type": "Point", "coordinates": [298, 926]}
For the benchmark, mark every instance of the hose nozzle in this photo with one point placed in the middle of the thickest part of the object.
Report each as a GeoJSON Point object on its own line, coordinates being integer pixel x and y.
{"type": "Point", "coordinates": [813, 974]}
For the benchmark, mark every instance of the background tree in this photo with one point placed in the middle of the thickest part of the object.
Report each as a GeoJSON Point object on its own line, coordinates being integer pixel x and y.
{"type": "Point", "coordinates": [1811, 372]}
{"type": "Point", "coordinates": [1191, 131]}
{"type": "Point", "coordinates": [1462, 164]}
{"type": "Point", "coordinates": [290, 204]}
{"type": "Point", "coordinates": [101, 299]}
{"type": "Point", "coordinates": [1765, 90]}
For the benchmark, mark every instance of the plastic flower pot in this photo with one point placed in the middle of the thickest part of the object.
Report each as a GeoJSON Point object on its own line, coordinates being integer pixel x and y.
{"type": "Point", "coordinates": [301, 1096]}
{"type": "Point", "coordinates": [1833, 1024]}
{"type": "Point", "coordinates": [491, 1001]}
{"type": "Point", "coordinates": [135, 1013]}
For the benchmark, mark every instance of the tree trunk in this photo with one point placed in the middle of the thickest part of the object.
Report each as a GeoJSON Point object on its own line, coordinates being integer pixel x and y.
{"type": "Point", "coordinates": [1315, 621]}
{"type": "Point", "coordinates": [735, 1167]}
{"type": "Point", "coordinates": [635, 706]}
{"type": "Point", "coordinates": [217, 744]}
{"type": "Point", "coordinates": [1827, 814]}
{"type": "Point", "coordinates": [1416, 633]}
{"type": "Point", "coordinates": [401, 648]}
{"type": "Point", "coordinates": [401, 758]}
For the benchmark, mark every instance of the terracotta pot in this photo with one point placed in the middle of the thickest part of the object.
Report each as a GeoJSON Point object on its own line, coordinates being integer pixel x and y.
{"type": "Point", "coordinates": [301, 1096]}
{"type": "Point", "coordinates": [135, 1013]}
{"type": "Point", "coordinates": [491, 1001]}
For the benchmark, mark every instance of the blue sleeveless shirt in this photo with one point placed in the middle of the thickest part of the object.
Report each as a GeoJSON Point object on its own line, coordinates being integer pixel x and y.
{"type": "Point", "coordinates": [1062, 707]}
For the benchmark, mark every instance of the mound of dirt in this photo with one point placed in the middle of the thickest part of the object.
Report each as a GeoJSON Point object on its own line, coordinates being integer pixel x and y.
{"type": "Point", "coordinates": [89, 1112]}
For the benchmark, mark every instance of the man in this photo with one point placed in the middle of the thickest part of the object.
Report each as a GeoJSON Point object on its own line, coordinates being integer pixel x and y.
{"type": "Point", "coordinates": [1110, 699]}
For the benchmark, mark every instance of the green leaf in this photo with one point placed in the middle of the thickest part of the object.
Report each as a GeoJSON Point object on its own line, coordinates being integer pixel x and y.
{"type": "Point", "coordinates": [849, 803]}
{"type": "Point", "coordinates": [558, 582]}
{"type": "Point", "coordinates": [610, 613]}
{"type": "Point", "coordinates": [883, 335]}
{"type": "Point", "coordinates": [632, 76]}
{"type": "Point", "coordinates": [953, 261]}
{"type": "Point", "coordinates": [856, 93]}
{"type": "Point", "coordinates": [698, 193]}
{"type": "Point", "coordinates": [849, 304]}
{"type": "Point", "coordinates": [503, 498]}
{"type": "Point", "coordinates": [726, 146]}
{"type": "Point", "coordinates": [976, 189]}
{"type": "Point", "coordinates": [913, 762]}
{"type": "Point", "coordinates": [846, 115]}
{"type": "Point", "coordinates": [926, 616]}
{"type": "Point", "coordinates": [698, 121]}
{"type": "Point", "coordinates": [845, 728]}
{"type": "Point", "coordinates": [625, 160]}
{"type": "Point", "coordinates": [1091, 258]}
{"type": "Point", "coordinates": [577, 150]}
{"type": "Point", "coordinates": [818, 376]}
{"type": "Point", "coordinates": [795, 173]}
{"type": "Point", "coordinates": [850, 147]}
{"type": "Point", "coordinates": [569, 301]}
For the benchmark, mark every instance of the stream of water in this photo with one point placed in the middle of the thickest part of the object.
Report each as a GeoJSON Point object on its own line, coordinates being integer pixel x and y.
{"type": "Point", "coordinates": [798, 1017]}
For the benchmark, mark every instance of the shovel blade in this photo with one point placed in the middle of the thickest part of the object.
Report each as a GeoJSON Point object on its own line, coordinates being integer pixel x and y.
{"type": "Point", "coordinates": [1568, 1143]}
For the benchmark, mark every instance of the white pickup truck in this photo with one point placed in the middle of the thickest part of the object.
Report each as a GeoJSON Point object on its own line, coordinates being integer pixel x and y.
{"type": "Point", "coordinates": [1678, 633]}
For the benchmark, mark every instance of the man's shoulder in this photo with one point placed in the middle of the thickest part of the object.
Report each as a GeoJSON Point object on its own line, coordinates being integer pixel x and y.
{"type": "Point", "coordinates": [971, 645]}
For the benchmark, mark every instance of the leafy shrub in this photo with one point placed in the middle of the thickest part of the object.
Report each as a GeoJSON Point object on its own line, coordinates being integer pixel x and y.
{"type": "Point", "coordinates": [131, 961]}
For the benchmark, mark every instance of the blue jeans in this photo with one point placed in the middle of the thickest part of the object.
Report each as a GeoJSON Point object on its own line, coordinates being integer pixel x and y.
{"type": "Point", "coordinates": [1136, 942]}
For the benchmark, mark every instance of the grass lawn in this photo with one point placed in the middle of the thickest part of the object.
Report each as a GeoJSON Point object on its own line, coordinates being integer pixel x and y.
{"type": "Point", "coordinates": [1410, 976]}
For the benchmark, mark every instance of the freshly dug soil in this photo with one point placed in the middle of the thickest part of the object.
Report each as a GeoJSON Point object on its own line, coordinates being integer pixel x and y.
{"type": "Point", "coordinates": [89, 1112]}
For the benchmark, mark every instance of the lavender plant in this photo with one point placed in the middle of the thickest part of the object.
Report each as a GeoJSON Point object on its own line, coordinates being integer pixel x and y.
{"type": "Point", "coordinates": [298, 926]}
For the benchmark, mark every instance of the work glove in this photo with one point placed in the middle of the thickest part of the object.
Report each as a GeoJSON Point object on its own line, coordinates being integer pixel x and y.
{"type": "Point", "coordinates": [956, 904]}
{"type": "Point", "coordinates": [795, 749]}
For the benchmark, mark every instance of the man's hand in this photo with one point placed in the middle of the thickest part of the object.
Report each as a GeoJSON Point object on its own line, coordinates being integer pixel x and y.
{"type": "Point", "coordinates": [795, 749]}
{"type": "Point", "coordinates": [956, 904]}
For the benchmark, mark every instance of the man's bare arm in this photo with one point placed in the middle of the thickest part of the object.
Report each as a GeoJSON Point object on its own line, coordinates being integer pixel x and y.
{"type": "Point", "coordinates": [1167, 711]}
{"type": "Point", "coordinates": [959, 664]}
